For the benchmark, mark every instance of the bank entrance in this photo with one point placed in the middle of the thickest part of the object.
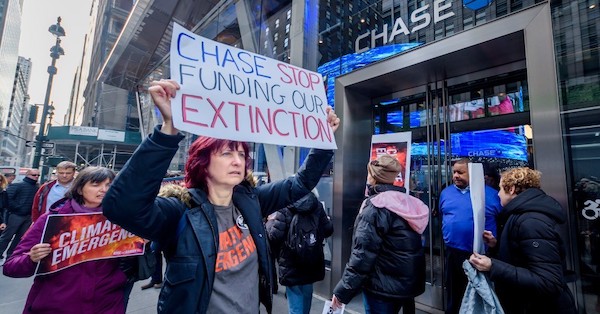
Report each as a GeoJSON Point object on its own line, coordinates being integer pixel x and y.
{"type": "Point", "coordinates": [482, 94]}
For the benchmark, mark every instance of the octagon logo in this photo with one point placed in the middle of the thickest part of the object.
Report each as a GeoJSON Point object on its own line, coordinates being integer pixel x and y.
{"type": "Point", "coordinates": [476, 4]}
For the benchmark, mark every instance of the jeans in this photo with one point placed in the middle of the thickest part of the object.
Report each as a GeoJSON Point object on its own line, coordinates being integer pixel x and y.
{"type": "Point", "coordinates": [299, 298]}
{"type": "Point", "coordinates": [378, 305]}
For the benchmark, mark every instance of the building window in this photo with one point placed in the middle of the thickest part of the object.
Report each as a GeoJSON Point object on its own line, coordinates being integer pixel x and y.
{"type": "Point", "coordinates": [287, 28]}
{"type": "Point", "coordinates": [277, 23]}
{"type": "Point", "coordinates": [275, 36]}
{"type": "Point", "coordinates": [267, 31]}
{"type": "Point", "coordinates": [275, 50]}
{"type": "Point", "coordinates": [285, 42]}
{"type": "Point", "coordinates": [266, 44]}
{"type": "Point", "coordinates": [289, 14]}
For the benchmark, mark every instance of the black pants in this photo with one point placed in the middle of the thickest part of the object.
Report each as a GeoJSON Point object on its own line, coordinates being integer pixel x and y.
{"type": "Point", "coordinates": [456, 280]}
{"type": "Point", "coordinates": [158, 271]}
{"type": "Point", "coordinates": [16, 226]}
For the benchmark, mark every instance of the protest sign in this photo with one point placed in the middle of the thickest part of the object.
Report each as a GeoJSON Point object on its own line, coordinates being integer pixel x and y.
{"type": "Point", "coordinates": [231, 93]}
{"type": "Point", "coordinates": [78, 238]}
{"type": "Point", "coordinates": [328, 308]}
{"type": "Point", "coordinates": [477, 192]}
{"type": "Point", "coordinates": [397, 145]}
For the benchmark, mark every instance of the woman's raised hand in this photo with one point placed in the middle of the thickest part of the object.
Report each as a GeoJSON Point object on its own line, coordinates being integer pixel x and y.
{"type": "Point", "coordinates": [161, 92]}
{"type": "Point", "coordinates": [332, 118]}
{"type": "Point", "coordinates": [39, 251]}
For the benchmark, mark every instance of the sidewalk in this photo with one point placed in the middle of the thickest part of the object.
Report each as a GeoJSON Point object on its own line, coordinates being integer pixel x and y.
{"type": "Point", "coordinates": [15, 290]}
{"type": "Point", "coordinates": [354, 307]}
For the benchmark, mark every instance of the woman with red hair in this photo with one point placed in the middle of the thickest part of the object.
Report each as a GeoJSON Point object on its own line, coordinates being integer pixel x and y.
{"type": "Point", "coordinates": [216, 251]}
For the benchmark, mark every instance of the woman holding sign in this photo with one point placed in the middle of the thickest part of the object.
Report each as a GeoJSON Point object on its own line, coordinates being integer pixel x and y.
{"type": "Point", "coordinates": [216, 251]}
{"type": "Point", "coordinates": [528, 269]}
{"type": "Point", "coordinates": [89, 287]}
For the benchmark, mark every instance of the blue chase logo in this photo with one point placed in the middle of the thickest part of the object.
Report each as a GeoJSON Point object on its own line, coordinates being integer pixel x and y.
{"type": "Point", "coordinates": [476, 4]}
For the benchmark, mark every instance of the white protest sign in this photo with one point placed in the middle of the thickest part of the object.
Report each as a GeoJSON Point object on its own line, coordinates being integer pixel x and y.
{"type": "Point", "coordinates": [234, 94]}
{"type": "Point", "coordinates": [328, 309]}
{"type": "Point", "coordinates": [477, 191]}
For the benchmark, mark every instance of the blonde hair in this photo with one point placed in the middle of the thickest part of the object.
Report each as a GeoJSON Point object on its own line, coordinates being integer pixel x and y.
{"type": "Point", "coordinates": [3, 181]}
{"type": "Point", "coordinates": [521, 179]}
{"type": "Point", "coordinates": [176, 190]}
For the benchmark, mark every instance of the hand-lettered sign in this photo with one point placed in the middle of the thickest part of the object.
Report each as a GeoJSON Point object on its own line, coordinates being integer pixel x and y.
{"type": "Point", "coordinates": [234, 94]}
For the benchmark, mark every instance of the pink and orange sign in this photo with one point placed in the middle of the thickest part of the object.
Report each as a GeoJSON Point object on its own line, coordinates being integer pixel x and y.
{"type": "Point", "coordinates": [78, 238]}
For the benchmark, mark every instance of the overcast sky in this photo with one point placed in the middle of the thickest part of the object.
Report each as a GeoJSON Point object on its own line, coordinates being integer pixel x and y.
{"type": "Point", "coordinates": [36, 42]}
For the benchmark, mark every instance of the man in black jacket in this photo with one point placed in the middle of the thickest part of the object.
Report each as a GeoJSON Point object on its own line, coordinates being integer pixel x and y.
{"type": "Point", "coordinates": [298, 274]}
{"type": "Point", "coordinates": [20, 199]}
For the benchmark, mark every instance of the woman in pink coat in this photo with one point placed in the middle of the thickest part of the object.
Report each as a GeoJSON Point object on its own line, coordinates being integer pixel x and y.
{"type": "Point", "coordinates": [89, 287]}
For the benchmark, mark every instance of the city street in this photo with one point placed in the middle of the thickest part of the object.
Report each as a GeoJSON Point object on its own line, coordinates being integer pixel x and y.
{"type": "Point", "coordinates": [14, 294]}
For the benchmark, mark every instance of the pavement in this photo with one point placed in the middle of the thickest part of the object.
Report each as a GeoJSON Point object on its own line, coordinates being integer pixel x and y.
{"type": "Point", "coordinates": [13, 293]}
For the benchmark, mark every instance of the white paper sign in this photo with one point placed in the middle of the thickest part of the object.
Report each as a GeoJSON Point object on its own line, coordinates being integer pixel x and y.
{"type": "Point", "coordinates": [111, 135]}
{"type": "Point", "coordinates": [234, 94]}
{"type": "Point", "coordinates": [477, 191]}
{"type": "Point", "coordinates": [83, 130]}
{"type": "Point", "coordinates": [327, 309]}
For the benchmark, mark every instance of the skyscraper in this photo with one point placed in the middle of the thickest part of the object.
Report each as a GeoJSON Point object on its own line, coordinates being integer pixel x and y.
{"type": "Point", "coordinates": [10, 33]}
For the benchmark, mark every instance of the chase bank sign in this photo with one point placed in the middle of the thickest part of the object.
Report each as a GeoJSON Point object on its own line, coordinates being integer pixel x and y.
{"type": "Point", "coordinates": [419, 19]}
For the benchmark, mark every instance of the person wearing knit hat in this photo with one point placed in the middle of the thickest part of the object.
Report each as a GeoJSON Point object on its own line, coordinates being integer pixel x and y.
{"type": "Point", "coordinates": [387, 261]}
{"type": "Point", "coordinates": [384, 169]}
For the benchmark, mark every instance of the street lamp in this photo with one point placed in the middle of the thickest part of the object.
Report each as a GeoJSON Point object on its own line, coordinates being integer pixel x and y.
{"type": "Point", "coordinates": [55, 52]}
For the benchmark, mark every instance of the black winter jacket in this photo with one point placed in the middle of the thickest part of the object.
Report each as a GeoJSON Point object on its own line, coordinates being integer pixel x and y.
{"type": "Point", "coordinates": [20, 196]}
{"type": "Point", "coordinates": [387, 258]}
{"type": "Point", "coordinates": [132, 203]}
{"type": "Point", "coordinates": [3, 206]}
{"type": "Point", "coordinates": [291, 271]}
{"type": "Point", "coordinates": [528, 271]}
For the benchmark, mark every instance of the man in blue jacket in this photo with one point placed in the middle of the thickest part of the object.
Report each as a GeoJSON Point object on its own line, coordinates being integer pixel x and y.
{"type": "Point", "coordinates": [457, 229]}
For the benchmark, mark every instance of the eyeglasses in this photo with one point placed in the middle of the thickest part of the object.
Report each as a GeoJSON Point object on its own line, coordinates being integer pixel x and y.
{"type": "Point", "coordinates": [34, 175]}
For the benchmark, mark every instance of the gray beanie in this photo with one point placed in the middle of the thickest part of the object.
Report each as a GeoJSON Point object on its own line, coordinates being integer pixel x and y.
{"type": "Point", "coordinates": [384, 169]}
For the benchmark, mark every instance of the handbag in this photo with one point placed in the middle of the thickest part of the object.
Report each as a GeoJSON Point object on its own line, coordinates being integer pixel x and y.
{"type": "Point", "coordinates": [146, 263]}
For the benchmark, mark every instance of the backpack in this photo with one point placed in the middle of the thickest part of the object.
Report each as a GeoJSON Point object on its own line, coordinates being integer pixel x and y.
{"type": "Point", "coordinates": [304, 240]}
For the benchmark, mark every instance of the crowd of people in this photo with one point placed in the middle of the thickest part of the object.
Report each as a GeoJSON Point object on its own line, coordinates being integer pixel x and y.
{"type": "Point", "coordinates": [220, 233]}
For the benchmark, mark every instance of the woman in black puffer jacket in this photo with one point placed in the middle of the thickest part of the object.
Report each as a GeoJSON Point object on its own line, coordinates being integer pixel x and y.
{"type": "Point", "coordinates": [528, 270]}
{"type": "Point", "coordinates": [387, 261]}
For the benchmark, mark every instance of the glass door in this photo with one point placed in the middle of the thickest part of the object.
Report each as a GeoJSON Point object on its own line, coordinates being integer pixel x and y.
{"type": "Point", "coordinates": [486, 121]}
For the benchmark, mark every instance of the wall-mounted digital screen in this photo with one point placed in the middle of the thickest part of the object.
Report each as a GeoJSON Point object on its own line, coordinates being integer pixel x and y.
{"type": "Point", "coordinates": [487, 144]}
{"type": "Point", "coordinates": [350, 62]}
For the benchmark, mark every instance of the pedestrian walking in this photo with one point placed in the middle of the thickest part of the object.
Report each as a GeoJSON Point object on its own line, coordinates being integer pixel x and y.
{"type": "Point", "coordinates": [297, 233]}
{"type": "Point", "coordinates": [20, 199]}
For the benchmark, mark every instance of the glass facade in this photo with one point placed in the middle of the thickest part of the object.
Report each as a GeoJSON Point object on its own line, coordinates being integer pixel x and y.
{"type": "Point", "coordinates": [352, 34]}
{"type": "Point", "coordinates": [10, 23]}
{"type": "Point", "coordinates": [576, 26]}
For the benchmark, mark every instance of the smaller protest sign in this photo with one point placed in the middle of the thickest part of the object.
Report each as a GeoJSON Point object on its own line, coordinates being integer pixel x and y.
{"type": "Point", "coordinates": [397, 145]}
{"type": "Point", "coordinates": [78, 238]}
